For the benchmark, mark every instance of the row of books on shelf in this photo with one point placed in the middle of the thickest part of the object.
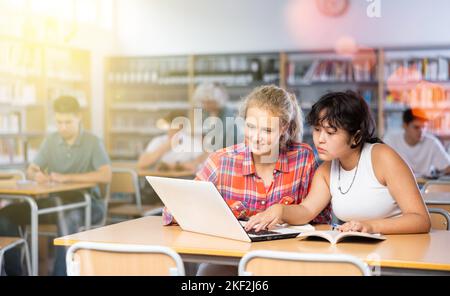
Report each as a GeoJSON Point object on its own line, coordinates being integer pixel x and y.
{"type": "Point", "coordinates": [137, 130]}
{"type": "Point", "coordinates": [150, 77]}
{"type": "Point", "coordinates": [151, 106]}
{"type": "Point", "coordinates": [237, 79]}
{"type": "Point", "coordinates": [133, 122]}
{"type": "Point", "coordinates": [128, 148]}
{"type": "Point", "coordinates": [238, 63]}
{"type": "Point", "coordinates": [23, 61]}
{"type": "Point", "coordinates": [11, 152]}
{"type": "Point", "coordinates": [369, 95]}
{"type": "Point", "coordinates": [154, 78]}
{"type": "Point", "coordinates": [416, 69]}
{"type": "Point", "coordinates": [17, 93]}
{"type": "Point", "coordinates": [16, 59]}
{"type": "Point", "coordinates": [330, 71]}
{"type": "Point", "coordinates": [9, 123]}
{"type": "Point", "coordinates": [441, 124]}
{"type": "Point", "coordinates": [159, 66]}
{"type": "Point", "coordinates": [66, 65]}
{"type": "Point", "coordinates": [53, 92]}
{"type": "Point", "coordinates": [421, 97]}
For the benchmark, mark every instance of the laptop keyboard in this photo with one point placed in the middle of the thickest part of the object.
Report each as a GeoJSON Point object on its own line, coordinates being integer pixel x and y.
{"type": "Point", "coordinates": [261, 232]}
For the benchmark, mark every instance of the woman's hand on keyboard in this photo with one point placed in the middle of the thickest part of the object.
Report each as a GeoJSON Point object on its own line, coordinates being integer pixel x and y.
{"type": "Point", "coordinates": [267, 219]}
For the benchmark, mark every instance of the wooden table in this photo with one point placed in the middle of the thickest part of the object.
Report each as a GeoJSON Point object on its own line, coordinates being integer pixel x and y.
{"type": "Point", "coordinates": [30, 191]}
{"type": "Point", "coordinates": [6, 176]}
{"type": "Point", "coordinates": [156, 173]}
{"type": "Point", "coordinates": [417, 253]}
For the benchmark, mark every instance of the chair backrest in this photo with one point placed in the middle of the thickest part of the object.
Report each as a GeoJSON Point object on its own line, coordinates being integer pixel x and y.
{"type": "Point", "coordinates": [104, 259]}
{"type": "Point", "coordinates": [265, 263]}
{"type": "Point", "coordinates": [440, 219]}
{"type": "Point", "coordinates": [12, 174]}
{"type": "Point", "coordinates": [126, 181]}
{"type": "Point", "coordinates": [436, 186]}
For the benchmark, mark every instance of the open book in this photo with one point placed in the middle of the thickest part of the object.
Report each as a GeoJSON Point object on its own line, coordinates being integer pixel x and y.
{"type": "Point", "coordinates": [335, 236]}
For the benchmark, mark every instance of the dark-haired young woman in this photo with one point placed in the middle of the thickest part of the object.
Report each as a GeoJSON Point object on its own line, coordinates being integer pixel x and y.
{"type": "Point", "coordinates": [370, 187]}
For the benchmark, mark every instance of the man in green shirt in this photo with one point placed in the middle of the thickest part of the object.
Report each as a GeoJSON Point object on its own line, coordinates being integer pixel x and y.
{"type": "Point", "coordinates": [68, 155]}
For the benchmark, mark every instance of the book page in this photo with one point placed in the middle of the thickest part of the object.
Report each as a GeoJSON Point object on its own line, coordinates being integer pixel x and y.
{"type": "Point", "coordinates": [328, 235]}
{"type": "Point", "coordinates": [335, 236]}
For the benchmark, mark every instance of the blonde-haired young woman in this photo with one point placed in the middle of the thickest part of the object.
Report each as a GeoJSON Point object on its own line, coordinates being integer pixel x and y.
{"type": "Point", "coordinates": [270, 167]}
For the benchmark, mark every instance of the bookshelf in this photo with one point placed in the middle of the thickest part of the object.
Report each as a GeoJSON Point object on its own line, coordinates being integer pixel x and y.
{"type": "Point", "coordinates": [141, 89]}
{"type": "Point", "coordinates": [420, 78]}
{"type": "Point", "coordinates": [32, 75]}
{"type": "Point", "coordinates": [238, 73]}
{"type": "Point", "coordinates": [312, 74]}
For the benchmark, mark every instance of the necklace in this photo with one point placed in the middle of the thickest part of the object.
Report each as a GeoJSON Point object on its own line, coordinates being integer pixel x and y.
{"type": "Point", "coordinates": [353, 180]}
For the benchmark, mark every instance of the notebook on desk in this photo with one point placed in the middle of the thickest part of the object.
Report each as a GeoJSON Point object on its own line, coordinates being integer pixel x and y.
{"type": "Point", "coordinates": [198, 207]}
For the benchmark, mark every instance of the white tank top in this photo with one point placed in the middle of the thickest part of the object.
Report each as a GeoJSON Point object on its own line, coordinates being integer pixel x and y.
{"type": "Point", "coordinates": [367, 199]}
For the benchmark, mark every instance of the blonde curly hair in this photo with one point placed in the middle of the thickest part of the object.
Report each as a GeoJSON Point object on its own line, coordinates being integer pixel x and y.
{"type": "Point", "coordinates": [280, 103]}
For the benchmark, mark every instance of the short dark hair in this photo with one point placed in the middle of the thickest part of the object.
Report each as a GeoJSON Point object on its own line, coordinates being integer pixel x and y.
{"type": "Point", "coordinates": [410, 115]}
{"type": "Point", "coordinates": [348, 111]}
{"type": "Point", "coordinates": [66, 104]}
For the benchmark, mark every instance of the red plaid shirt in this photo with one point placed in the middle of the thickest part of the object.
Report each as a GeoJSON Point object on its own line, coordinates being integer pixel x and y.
{"type": "Point", "coordinates": [233, 173]}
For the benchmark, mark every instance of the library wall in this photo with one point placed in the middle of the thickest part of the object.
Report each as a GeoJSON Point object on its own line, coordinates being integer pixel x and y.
{"type": "Point", "coordinates": [150, 27]}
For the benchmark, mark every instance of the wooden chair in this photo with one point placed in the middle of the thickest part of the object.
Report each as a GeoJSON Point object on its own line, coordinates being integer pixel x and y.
{"type": "Point", "coordinates": [436, 186]}
{"type": "Point", "coordinates": [126, 181]}
{"type": "Point", "coordinates": [440, 219]}
{"type": "Point", "coordinates": [85, 258]}
{"type": "Point", "coordinates": [8, 243]}
{"type": "Point", "coordinates": [264, 263]}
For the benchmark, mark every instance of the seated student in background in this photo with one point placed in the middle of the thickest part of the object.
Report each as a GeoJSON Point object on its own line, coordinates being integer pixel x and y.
{"type": "Point", "coordinates": [175, 150]}
{"type": "Point", "coordinates": [271, 167]}
{"type": "Point", "coordinates": [370, 187]}
{"type": "Point", "coordinates": [213, 98]}
{"type": "Point", "coordinates": [422, 151]}
{"type": "Point", "coordinates": [69, 155]}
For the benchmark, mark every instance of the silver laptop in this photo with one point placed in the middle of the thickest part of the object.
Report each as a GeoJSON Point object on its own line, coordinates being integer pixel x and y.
{"type": "Point", "coordinates": [198, 207]}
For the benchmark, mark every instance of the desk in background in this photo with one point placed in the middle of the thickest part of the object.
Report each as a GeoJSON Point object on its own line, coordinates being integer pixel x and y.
{"type": "Point", "coordinates": [30, 191]}
{"type": "Point", "coordinates": [416, 253]}
{"type": "Point", "coordinates": [156, 173]}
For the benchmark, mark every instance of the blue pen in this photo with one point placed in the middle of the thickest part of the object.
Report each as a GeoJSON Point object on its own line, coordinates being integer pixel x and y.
{"type": "Point", "coordinates": [334, 226]}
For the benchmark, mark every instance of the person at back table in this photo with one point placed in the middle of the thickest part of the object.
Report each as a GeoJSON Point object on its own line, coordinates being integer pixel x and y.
{"type": "Point", "coordinates": [423, 152]}
{"type": "Point", "coordinates": [174, 151]}
{"type": "Point", "coordinates": [270, 167]}
{"type": "Point", "coordinates": [69, 155]}
{"type": "Point", "coordinates": [212, 98]}
{"type": "Point", "coordinates": [370, 187]}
